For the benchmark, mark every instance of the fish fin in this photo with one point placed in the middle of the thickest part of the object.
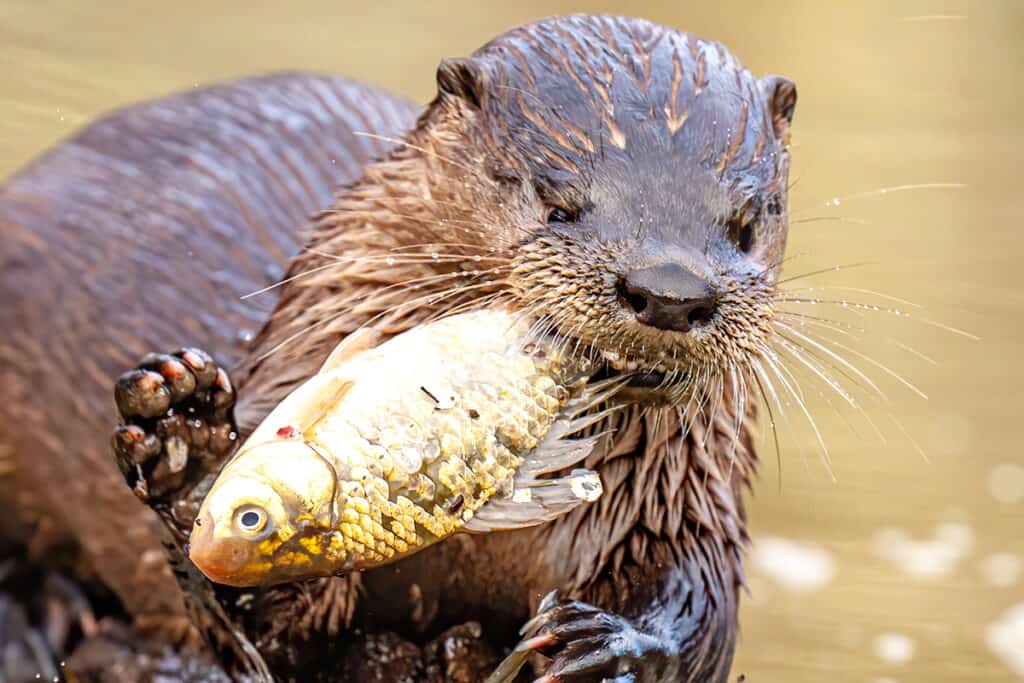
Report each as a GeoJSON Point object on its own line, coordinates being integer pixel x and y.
{"type": "Point", "coordinates": [554, 453]}
{"type": "Point", "coordinates": [594, 394]}
{"type": "Point", "coordinates": [300, 410]}
{"type": "Point", "coordinates": [537, 501]}
{"type": "Point", "coordinates": [339, 389]}
{"type": "Point", "coordinates": [363, 339]}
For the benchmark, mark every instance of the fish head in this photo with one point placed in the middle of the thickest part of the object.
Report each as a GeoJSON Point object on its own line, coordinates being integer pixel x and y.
{"type": "Point", "coordinates": [266, 516]}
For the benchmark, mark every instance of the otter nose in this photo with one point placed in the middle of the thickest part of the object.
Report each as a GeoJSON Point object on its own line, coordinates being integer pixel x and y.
{"type": "Point", "coordinates": [669, 297]}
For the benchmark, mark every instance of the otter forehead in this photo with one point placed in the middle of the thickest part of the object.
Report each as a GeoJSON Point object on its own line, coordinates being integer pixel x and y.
{"type": "Point", "coordinates": [624, 103]}
{"type": "Point", "coordinates": [641, 173]}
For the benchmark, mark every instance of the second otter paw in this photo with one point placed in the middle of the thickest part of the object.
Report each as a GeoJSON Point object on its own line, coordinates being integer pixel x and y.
{"type": "Point", "coordinates": [177, 422]}
{"type": "Point", "coordinates": [586, 643]}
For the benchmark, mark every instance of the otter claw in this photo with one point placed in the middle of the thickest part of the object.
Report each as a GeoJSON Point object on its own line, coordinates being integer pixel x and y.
{"type": "Point", "coordinates": [583, 643]}
{"type": "Point", "coordinates": [175, 410]}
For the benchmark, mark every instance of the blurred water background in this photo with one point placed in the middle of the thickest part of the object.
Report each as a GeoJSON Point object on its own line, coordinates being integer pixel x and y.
{"type": "Point", "coordinates": [900, 561]}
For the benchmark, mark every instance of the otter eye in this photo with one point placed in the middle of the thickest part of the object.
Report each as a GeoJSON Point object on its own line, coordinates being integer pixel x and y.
{"type": "Point", "coordinates": [745, 238]}
{"type": "Point", "coordinates": [560, 215]}
{"type": "Point", "coordinates": [251, 519]}
{"type": "Point", "coordinates": [742, 227]}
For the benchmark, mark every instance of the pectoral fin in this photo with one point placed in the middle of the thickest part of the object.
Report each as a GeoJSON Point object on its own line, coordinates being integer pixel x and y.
{"type": "Point", "coordinates": [540, 501]}
{"type": "Point", "coordinates": [535, 500]}
{"type": "Point", "coordinates": [363, 339]}
{"type": "Point", "coordinates": [301, 409]}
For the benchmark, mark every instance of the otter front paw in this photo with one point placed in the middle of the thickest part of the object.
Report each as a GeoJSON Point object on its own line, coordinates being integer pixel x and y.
{"type": "Point", "coordinates": [586, 643]}
{"type": "Point", "coordinates": [177, 423]}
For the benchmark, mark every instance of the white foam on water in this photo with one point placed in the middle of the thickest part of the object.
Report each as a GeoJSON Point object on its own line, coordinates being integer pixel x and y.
{"type": "Point", "coordinates": [931, 558]}
{"type": "Point", "coordinates": [1005, 638]}
{"type": "Point", "coordinates": [1002, 569]}
{"type": "Point", "coordinates": [895, 648]}
{"type": "Point", "coordinates": [795, 566]}
{"type": "Point", "coordinates": [1006, 483]}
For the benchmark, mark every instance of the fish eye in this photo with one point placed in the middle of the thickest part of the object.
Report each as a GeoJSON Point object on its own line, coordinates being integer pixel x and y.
{"type": "Point", "coordinates": [250, 519]}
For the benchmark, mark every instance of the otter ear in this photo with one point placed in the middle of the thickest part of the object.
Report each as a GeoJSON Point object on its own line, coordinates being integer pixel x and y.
{"type": "Point", "coordinates": [781, 94]}
{"type": "Point", "coordinates": [462, 77]}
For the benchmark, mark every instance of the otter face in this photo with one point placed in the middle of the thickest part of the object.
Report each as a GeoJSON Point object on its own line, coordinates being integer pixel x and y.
{"type": "Point", "coordinates": [649, 171]}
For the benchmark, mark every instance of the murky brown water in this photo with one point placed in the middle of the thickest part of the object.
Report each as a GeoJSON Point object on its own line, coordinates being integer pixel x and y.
{"type": "Point", "coordinates": [905, 568]}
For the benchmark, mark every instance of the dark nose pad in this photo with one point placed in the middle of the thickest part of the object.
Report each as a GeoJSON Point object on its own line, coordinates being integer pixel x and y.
{"type": "Point", "coordinates": [669, 297]}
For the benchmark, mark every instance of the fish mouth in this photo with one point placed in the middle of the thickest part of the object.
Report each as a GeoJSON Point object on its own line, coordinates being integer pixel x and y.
{"type": "Point", "coordinates": [223, 560]}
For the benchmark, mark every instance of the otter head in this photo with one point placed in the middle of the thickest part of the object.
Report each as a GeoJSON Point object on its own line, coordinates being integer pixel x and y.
{"type": "Point", "coordinates": [637, 178]}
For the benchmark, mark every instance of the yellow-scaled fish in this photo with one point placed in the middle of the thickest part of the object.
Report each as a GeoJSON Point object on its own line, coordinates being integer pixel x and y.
{"type": "Point", "coordinates": [386, 450]}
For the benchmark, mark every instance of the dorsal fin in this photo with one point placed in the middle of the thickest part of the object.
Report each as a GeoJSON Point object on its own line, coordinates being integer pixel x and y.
{"type": "Point", "coordinates": [363, 339]}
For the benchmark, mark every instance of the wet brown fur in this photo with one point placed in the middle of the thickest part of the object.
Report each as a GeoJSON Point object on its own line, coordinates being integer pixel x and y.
{"type": "Point", "coordinates": [139, 233]}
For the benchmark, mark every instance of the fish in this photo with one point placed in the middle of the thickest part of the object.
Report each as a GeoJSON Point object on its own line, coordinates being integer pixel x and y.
{"type": "Point", "coordinates": [468, 423]}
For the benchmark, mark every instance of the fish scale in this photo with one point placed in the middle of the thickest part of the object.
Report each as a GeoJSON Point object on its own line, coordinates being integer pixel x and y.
{"type": "Point", "coordinates": [391, 448]}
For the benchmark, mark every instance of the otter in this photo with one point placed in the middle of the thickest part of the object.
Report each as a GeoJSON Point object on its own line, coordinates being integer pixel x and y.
{"type": "Point", "coordinates": [622, 182]}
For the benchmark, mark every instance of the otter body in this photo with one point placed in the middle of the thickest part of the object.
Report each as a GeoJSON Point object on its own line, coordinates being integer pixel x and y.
{"type": "Point", "coordinates": [621, 182]}
{"type": "Point", "coordinates": [143, 232]}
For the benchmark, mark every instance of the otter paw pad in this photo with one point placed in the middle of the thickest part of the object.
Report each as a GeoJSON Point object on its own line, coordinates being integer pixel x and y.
{"type": "Point", "coordinates": [176, 420]}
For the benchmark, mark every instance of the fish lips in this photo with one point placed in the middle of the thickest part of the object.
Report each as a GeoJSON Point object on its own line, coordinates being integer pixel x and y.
{"type": "Point", "coordinates": [222, 560]}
